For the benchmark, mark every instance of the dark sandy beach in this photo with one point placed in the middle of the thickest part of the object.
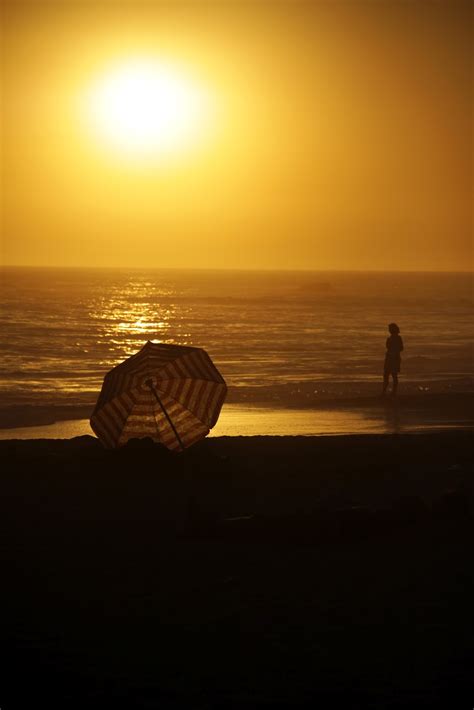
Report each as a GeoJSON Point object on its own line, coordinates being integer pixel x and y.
{"type": "Point", "coordinates": [247, 572]}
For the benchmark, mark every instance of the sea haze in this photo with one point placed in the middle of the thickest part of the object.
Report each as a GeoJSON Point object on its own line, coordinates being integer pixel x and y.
{"type": "Point", "coordinates": [291, 339]}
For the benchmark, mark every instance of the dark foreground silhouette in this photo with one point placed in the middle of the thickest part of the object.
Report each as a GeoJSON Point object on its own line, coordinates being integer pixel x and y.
{"type": "Point", "coordinates": [261, 572]}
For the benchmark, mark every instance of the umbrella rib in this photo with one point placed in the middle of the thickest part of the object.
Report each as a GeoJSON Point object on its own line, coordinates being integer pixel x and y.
{"type": "Point", "coordinates": [219, 384]}
{"type": "Point", "coordinates": [157, 428]}
{"type": "Point", "coordinates": [209, 368]}
{"type": "Point", "coordinates": [175, 431]}
{"type": "Point", "coordinates": [191, 377]}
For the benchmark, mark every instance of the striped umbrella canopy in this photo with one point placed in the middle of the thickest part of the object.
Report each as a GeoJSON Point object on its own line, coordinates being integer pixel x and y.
{"type": "Point", "coordinates": [171, 393]}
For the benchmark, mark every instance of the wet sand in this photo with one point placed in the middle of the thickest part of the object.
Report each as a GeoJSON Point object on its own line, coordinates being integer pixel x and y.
{"type": "Point", "coordinates": [356, 415]}
{"type": "Point", "coordinates": [247, 572]}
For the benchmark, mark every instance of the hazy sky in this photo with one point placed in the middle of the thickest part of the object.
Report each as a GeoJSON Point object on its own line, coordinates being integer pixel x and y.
{"type": "Point", "coordinates": [338, 135]}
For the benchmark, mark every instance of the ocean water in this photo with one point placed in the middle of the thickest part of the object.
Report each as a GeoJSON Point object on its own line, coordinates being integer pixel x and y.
{"type": "Point", "coordinates": [289, 339]}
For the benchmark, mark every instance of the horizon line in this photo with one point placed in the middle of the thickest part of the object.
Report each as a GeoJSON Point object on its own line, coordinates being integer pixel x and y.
{"type": "Point", "coordinates": [240, 269]}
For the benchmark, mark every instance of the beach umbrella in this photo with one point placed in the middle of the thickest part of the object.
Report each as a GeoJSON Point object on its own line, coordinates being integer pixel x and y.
{"type": "Point", "coordinates": [171, 393]}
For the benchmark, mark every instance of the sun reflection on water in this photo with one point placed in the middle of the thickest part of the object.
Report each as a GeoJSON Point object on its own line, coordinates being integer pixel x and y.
{"type": "Point", "coordinates": [138, 312]}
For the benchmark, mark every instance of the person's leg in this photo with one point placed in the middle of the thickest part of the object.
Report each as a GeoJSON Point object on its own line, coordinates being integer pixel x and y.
{"type": "Point", "coordinates": [395, 383]}
{"type": "Point", "coordinates": [386, 375]}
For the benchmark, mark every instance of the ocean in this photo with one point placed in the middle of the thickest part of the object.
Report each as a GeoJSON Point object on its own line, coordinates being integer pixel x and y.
{"type": "Point", "coordinates": [291, 340]}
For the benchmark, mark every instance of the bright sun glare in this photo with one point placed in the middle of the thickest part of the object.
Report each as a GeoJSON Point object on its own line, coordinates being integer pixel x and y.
{"type": "Point", "coordinates": [147, 107]}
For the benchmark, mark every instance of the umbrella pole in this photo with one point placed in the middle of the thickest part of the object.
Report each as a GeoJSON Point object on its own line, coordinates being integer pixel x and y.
{"type": "Point", "coordinates": [152, 387]}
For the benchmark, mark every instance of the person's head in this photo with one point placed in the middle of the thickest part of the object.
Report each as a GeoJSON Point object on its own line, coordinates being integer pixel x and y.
{"type": "Point", "coordinates": [393, 328]}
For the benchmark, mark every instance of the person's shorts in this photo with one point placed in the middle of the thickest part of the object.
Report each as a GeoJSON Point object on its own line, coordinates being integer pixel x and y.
{"type": "Point", "coordinates": [391, 367]}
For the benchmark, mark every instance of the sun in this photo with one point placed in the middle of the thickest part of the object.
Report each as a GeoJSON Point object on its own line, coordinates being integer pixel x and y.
{"type": "Point", "coordinates": [146, 107]}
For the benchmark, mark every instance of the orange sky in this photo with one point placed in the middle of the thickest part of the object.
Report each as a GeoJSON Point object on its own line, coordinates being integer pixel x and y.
{"type": "Point", "coordinates": [341, 136]}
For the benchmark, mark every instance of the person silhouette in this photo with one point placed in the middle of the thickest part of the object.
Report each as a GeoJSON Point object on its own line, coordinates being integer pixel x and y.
{"type": "Point", "coordinates": [392, 358]}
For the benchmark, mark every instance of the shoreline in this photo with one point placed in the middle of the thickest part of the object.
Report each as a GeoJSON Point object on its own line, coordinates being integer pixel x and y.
{"type": "Point", "coordinates": [462, 403]}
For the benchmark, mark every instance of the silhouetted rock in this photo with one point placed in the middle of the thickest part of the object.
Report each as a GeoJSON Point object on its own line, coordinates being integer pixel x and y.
{"type": "Point", "coordinates": [144, 444]}
{"type": "Point", "coordinates": [86, 444]}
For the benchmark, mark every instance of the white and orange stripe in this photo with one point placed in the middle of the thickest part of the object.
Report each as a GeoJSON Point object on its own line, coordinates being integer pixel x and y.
{"type": "Point", "coordinates": [188, 383]}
